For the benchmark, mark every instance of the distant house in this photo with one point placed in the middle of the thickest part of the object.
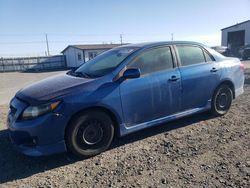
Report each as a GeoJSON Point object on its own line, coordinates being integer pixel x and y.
{"type": "Point", "coordinates": [236, 35]}
{"type": "Point", "coordinates": [76, 55]}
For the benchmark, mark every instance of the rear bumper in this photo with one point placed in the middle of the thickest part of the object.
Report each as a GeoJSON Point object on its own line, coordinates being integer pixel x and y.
{"type": "Point", "coordinates": [239, 91]}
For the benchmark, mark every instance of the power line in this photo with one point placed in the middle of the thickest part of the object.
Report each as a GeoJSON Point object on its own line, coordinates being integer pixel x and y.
{"type": "Point", "coordinates": [60, 34]}
{"type": "Point", "coordinates": [34, 42]}
{"type": "Point", "coordinates": [121, 41]}
{"type": "Point", "coordinates": [78, 34]}
{"type": "Point", "coordinates": [24, 42]}
{"type": "Point", "coordinates": [21, 35]}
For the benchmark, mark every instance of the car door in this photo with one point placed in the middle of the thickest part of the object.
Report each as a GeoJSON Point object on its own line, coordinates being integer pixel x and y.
{"type": "Point", "coordinates": [200, 75]}
{"type": "Point", "coordinates": [156, 93]}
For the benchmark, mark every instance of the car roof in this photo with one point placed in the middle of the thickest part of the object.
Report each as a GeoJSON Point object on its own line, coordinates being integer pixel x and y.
{"type": "Point", "coordinates": [154, 44]}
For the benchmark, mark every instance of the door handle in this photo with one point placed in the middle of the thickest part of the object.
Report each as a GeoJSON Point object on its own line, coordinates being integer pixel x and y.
{"type": "Point", "coordinates": [173, 78]}
{"type": "Point", "coordinates": [213, 69]}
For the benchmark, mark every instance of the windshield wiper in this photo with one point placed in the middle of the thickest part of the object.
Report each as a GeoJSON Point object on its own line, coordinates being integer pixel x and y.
{"type": "Point", "coordinates": [86, 75]}
{"type": "Point", "coordinates": [77, 74]}
{"type": "Point", "coordinates": [81, 74]}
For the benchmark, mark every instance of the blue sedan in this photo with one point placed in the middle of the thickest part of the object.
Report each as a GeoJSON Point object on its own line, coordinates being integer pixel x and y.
{"type": "Point", "coordinates": [121, 91]}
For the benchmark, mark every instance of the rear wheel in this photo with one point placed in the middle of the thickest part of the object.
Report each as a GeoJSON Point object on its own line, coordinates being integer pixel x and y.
{"type": "Point", "coordinates": [222, 100]}
{"type": "Point", "coordinates": [90, 134]}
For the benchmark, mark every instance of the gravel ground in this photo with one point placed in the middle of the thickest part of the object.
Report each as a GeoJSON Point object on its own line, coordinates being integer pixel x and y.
{"type": "Point", "coordinates": [11, 82]}
{"type": "Point", "coordinates": [197, 151]}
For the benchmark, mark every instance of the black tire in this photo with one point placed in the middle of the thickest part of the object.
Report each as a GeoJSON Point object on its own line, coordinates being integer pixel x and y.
{"type": "Point", "coordinates": [90, 134]}
{"type": "Point", "coordinates": [222, 100]}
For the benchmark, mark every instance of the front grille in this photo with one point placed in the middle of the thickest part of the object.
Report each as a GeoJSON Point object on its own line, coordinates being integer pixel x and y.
{"type": "Point", "coordinates": [23, 138]}
{"type": "Point", "coordinates": [12, 110]}
{"type": "Point", "coordinates": [15, 109]}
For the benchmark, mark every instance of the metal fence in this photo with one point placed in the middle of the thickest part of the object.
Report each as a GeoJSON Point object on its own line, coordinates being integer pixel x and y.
{"type": "Point", "coordinates": [32, 63]}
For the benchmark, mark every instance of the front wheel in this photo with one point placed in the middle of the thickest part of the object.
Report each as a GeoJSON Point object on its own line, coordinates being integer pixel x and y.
{"type": "Point", "coordinates": [90, 134]}
{"type": "Point", "coordinates": [222, 100]}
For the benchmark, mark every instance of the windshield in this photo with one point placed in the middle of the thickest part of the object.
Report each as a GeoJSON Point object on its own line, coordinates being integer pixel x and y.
{"type": "Point", "coordinates": [104, 63]}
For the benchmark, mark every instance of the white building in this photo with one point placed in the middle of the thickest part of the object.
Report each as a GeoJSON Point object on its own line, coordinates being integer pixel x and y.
{"type": "Point", "coordinates": [76, 55]}
{"type": "Point", "coordinates": [236, 35]}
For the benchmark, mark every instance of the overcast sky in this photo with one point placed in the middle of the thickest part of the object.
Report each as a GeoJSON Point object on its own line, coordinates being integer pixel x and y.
{"type": "Point", "coordinates": [24, 23]}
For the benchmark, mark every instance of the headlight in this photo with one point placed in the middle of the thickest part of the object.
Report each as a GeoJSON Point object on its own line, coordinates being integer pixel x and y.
{"type": "Point", "coordinates": [35, 111]}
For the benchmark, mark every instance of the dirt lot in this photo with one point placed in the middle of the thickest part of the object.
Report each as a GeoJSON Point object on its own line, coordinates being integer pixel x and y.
{"type": "Point", "coordinates": [11, 82]}
{"type": "Point", "coordinates": [198, 151]}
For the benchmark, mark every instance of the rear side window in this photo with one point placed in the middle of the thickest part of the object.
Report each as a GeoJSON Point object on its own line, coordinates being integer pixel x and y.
{"type": "Point", "coordinates": [190, 55]}
{"type": "Point", "coordinates": [153, 60]}
{"type": "Point", "coordinates": [207, 56]}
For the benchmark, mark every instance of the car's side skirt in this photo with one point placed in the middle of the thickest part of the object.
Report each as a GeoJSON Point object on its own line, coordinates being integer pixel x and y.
{"type": "Point", "coordinates": [124, 130]}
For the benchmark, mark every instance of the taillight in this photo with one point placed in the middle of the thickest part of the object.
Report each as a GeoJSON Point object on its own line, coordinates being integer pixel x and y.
{"type": "Point", "coordinates": [242, 66]}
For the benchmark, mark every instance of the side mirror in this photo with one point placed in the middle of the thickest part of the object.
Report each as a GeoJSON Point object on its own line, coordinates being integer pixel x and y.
{"type": "Point", "coordinates": [131, 73]}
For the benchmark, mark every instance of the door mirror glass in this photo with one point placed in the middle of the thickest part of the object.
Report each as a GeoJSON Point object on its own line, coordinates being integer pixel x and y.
{"type": "Point", "coordinates": [131, 73]}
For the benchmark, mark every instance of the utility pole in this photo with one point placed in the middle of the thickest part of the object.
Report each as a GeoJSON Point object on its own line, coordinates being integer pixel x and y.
{"type": "Point", "coordinates": [121, 38]}
{"type": "Point", "coordinates": [47, 44]}
{"type": "Point", "coordinates": [172, 36]}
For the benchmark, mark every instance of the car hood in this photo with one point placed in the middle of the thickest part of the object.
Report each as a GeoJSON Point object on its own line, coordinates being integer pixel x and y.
{"type": "Point", "coordinates": [51, 88]}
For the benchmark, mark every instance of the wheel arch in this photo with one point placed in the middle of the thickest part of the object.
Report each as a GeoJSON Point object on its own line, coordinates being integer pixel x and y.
{"type": "Point", "coordinates": [109, 112]}
{"type": "Point", "coordinates": [229, 83]}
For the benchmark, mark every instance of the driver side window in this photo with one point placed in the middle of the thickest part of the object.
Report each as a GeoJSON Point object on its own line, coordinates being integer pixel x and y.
{"type": "Point", "coordinates": [153, 60]}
